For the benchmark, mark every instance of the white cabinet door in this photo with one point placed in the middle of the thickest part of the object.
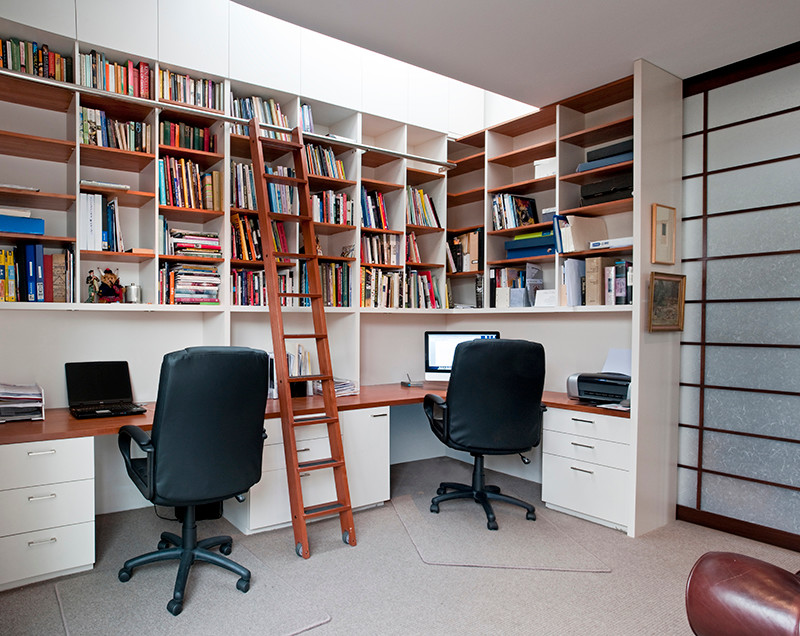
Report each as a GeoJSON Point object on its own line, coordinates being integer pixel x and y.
{"type": "Point", "coordinates": [365, 435]}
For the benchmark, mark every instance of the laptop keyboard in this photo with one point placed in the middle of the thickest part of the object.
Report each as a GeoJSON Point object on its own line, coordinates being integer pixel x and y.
{"type": "Point", "coordinates": [110, 410]}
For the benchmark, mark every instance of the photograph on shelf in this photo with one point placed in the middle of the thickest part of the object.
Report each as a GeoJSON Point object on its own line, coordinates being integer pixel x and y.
{"type": "Point", "coordinates": [662, 248]}
{"type": "Point", "coordinates": [667, 296]}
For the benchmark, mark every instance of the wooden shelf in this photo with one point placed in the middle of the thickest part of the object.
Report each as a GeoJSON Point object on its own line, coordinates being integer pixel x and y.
{"type": "Point", "coordinates": [376, 159]}
{"type": "Point", "coordinates": [527, 123]}
{"type": "Point", "coordinates": [526, 155]}
{"type": "Point", "coordinates": [455, 231]}
{"type": "Point", "coordinates": [177, 258]}
{"type": "Point", "coordinates": [328, 229]}
{"type": "Point", "coordinates": [527, 187]}
{"type": "Point", "coordinates": [601, 134]}
{"type": "Point", "coordinates": [602, 209]}
{"type": "Point", "coordinates": [127, 198]}
{"type": "Point", "coordinates": [189, 215]}
{"type": "Point", "coordinates": [12, 197]}
{"type": "Point", "coordinates": [381, 266]}
{"type": "Point", "coordinates": [422, 229]}
{"type": "Point", "coordinates": [202, 158]}
{"type": "Point", "coordinates": [240, 147]}
{"type": "Point", "coordinates": [475, 272]}
{"type": "Point", "coordinates": [318, 182]}
{"type": "Point", "coordinates": [33, 147]}
{"type": "Point", "coordinates": [462, 198]}
{"type": "Point", "coordinates": [114, 158]}
{"type": "Point", "coordinates": [337, 259]}
{"type": "Point", "coordinates": [467, 164]}
{"type": "Point", "coordinates": [199, 110]}
{"type": "Point", "coordinates": [416, 177]}
{"type": "Point", "coordinates": [601, 97]}
{"type": "Point", "coordinates": [380, 186]}
{"type": "Point", "coordinates": [116, 108]}
{"type": "Point", "coordinates": [116, 257]}
{"type": "Point", "coordinates": [45, 95]}
{"type": "Point", "coordinates": [510, 262]}
{"type": "Point", "coordinates": [475, 139]}
{"type": "Point", "coordinates": [424, 265]}
{"type": "Point", "coordinates": [611, 251]}
{"type": "Point", "coordinates": [523, 229]}
{"type": "Point", "coordinates": [203, 118]}
{"type": "Point", "coordinates": [376, 230]}
{"type": "Point", "coordinates": [598, 174]}
{"type": "Point", "coordinates": [44, 239]}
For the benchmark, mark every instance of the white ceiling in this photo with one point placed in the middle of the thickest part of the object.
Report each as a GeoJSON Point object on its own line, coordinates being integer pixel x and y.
{"type": "Point", "coordinates": [540, 51]}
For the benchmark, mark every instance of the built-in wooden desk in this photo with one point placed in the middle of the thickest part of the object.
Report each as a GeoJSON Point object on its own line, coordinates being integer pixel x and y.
{"type": "Point", "coordinates": [59, 424]}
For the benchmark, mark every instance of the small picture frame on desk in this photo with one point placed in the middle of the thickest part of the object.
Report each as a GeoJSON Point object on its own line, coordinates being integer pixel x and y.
{"type": "Point", "coordinates": [662, 244]}
{"type": "Point", "coordinates": [667, 296]}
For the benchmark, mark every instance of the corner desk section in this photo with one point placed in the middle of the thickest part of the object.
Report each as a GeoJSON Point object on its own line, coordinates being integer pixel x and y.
{"type": "Point", "coordinates": [47, 472]}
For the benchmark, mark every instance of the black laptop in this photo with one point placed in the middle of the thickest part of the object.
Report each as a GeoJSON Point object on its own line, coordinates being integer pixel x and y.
{"type": "Point", "coordinates": [100, 389]}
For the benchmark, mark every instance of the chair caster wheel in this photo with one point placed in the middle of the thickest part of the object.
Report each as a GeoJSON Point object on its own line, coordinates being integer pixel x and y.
{"type": "Point", "coordinates": [242, 585]}
{"type": "Point", "coordinates": [124, 575]}
{"type": "Point", "coordinates": [441, 491]}
{"type": "Point", "coordinates": [530, 515]}
{"type": "Point", "coordinates": [226, 548]}
{"type": "Point", "coordinates": [163, 545]}
{"type": "Point", "coordinates": [174, 607]}
{"type": "Point", "coordinates": [435, 508]}
{"type": "Point", "coordinates": [492, 525]}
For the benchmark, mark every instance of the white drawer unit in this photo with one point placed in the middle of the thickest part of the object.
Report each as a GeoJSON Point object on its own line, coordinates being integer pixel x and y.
{"type": "Point", "coordinates": [586, 460]}
{"type": "Point", "coordinates": [47, 498]}
{"type": "Point", "coordinates": [365, 436]}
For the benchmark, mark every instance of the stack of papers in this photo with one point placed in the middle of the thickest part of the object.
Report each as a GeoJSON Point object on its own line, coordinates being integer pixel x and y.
{"type": "Point", "coordinates": [340, 385]}
{"type": "Point", "coordinates": [21, 402]}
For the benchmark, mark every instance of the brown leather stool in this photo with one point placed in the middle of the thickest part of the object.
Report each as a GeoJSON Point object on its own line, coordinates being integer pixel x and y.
{"type": "Point", "coordinates": [730, 594]}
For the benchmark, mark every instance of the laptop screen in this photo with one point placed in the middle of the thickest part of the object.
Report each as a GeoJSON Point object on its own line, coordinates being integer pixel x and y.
{"type": "Point", "coordinates": [98, 382]}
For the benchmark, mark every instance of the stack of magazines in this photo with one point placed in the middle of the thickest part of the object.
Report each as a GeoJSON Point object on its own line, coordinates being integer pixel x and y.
{"type": "Point", "coordinates": [21, 402]}
{"type": "Point", "coordinates": [340, 385]}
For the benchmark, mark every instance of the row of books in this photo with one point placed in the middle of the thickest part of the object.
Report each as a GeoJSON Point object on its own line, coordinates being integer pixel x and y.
{"type": "Point", "coordinates": [265, 111]}
{"type": "Point", "coordinates": [412, 249]}
{"type": "Point", "coordinates": [99, 227]}
{"type": "Point", "coordinates": [422, 291]}
{"type": "Point", "coordinates": [188, 284]}
{"type": "Point", "coordinates": [243, 188]}
{"type": "Point", "coordinates": [245, 238]}
{"type": "Point", "coordinates": [510, 211]}
{"type": "Point", "coordinates": [465, 252]}
{"type": "Point", "coordinates": [28, 274]}
{"type": "Point", "coordinates": [380, 249]}
{"type": "Point", "coordinates": [420, 209]}
{"type": "Point", "coordinates": [182, 135]}
{"type": "Point", "coordinates": [596, 280]}
{"type": "Point", "coordinates": [514, 287]}
{"type": "Point", "coordinates": [203, 92]}
{"type": "Point", "coordinates": [373, 210]}
{"type": "Point", "coordinates": [128, 78]}
{"type": "Point", "coordinates": [307, 118]}
{"type": "Point", "coordinates": [249, 288]}
{"type": "Point", "coordinates": [181, 184]}
{"type": "Point", "coordinates": [26, 56]}
{"type": "Point", "coordinates": [333, 207]}
{"type": "Point", "coordinates": [192, 243]}
{"type": "Point", "coordinates": [335, 284]}
{"type": "Point", "coordinates": [380, 288]}
{"type": "Point", "coordinates": [322, 162]}
{"type": "Point", "coordinates": [98, 130]}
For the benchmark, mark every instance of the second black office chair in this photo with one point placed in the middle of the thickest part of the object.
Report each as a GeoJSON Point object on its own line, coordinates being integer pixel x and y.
{"type": "Point", "coordinates": [206, 446]}
{"type": "Point", "coordinates": [493, 407]}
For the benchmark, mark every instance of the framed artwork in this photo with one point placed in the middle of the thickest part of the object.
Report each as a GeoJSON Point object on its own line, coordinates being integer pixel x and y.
{"type": "Point", "coordinates": [667, 295]}
{"type": "Point", "coordinates": [662, 242]}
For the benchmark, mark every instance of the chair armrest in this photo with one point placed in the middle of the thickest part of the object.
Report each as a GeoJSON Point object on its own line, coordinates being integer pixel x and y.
{"type": "Point", "coordinates": [435, 407]}
{"type": "Point", "coordinates": [143, 441]}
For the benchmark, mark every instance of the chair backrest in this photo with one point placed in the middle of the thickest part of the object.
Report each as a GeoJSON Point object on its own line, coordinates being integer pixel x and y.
{"type": "Point", "coordinates": [208, 424]}
{"type": "Point", "coordinates": [495, 394]}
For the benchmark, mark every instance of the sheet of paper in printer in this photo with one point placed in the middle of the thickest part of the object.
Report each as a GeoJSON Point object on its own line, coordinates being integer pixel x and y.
{"type": "Point", "coordinates": [618, 361]}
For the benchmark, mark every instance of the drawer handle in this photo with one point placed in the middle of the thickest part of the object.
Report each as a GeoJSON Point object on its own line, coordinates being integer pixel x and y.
{"type": "Point", "coordinates": [52, 495]}
{"type": "Point", "coordinates": [52, 451]}
{"type": "Point", "coordinates": [42, 542]}
{"type": "Point", "coordinates": [582, 470]}
{"type": "Point", "coordinates": [305, 475]}
{"type": "Point", "coordinates": [582, 445]}
{"type": "Point", "coordinates": [379, 415]}
{"type": "Point", "coordinates": [303, 450]}
{"type": "Point", "coordinates": [577, 419]}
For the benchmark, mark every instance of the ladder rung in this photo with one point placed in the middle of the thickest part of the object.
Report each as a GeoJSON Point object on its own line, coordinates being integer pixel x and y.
{"type": "Point", "coordinates": [307, 378]}
{"type": "Point", "coordinates": [315, 420]}
{"type": "Point", "coordinates": [279, 144]}
{"type": "Point", "coordinates": [296, 255]}
{"type": "Point", "coordinates": [325, 509]}
{"type": "Point", "coordinates": [293, 295]}
{"type": "Point", "coordinates": [279, 178]}
{"type": "Point", "coordinates": [318, 336]}
{"type": "Point", "coordinates": [292, 218]}
{"type": "Point", "coordinates": [318, 464]}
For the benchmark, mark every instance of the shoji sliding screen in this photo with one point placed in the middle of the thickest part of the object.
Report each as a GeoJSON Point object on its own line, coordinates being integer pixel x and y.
{"type": "Point", "coordinates": [739, 461]}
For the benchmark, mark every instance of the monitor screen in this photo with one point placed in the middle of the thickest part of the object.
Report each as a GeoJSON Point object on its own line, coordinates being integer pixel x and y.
{"type": "Point", "coordinates": [440, 346]}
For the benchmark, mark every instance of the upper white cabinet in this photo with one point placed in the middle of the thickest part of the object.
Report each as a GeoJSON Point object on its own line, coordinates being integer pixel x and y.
{"type": "Point", "coordinates": [384, 86]}
{"type": "Point", "coordinates": [138, 37]}
{"type": "Point", "coordinates": [194, 36]}
{"type": "Point", "coordinates": [330, 70]}
{"type": "Point", "coordinates": [55, 16]}
{"type": "Point", "coordinates": [428, 99]}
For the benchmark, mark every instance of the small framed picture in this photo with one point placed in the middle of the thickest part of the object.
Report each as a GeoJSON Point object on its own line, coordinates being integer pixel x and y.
{"type": "Point", "coordinates": [667, 295]}
{"type": "Point", "coordinates": [662, 247]}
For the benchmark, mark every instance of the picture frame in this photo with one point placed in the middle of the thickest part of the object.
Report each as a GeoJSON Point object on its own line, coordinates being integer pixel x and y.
{"type": "Point", "coordinates": [667, 298]}
{"type": "Point", "coordinates": [663, 228]}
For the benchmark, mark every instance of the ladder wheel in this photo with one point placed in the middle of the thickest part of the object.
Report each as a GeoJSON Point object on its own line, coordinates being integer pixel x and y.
{"type": "Point", "coordinates": [346, 537]}
{"type": "Point", "coordinates": [299, 549]}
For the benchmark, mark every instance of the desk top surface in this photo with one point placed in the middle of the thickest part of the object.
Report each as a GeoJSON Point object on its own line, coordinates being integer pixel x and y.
{"type": "Point", "coordinates": [59, 424]}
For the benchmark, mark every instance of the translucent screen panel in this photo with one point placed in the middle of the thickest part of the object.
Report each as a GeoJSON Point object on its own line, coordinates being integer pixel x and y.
{"type": "Point", "coordinates": [762, 459]}
{"type": "Point", "coordinates": [753, 277]}
{"type": "Point", "coordinates": [687, 446]}
{"type": "Point", "coordinates": [690, 405]}
{"type": "Point", "coordinates": [751, 232]}
{"type": "Point", "coordinates": [692, 197]}
{"type": "Point", "coordinates": [753, 323]}
{"type": "Point", "coordinates": [693, 114]}
{"type": "Point", "coordinates": [769, 506]}
{"type": "Point", "coordinates": [687, 487]}
{"type": "Point", "coordinates": [692, 238]}
{"type": "Point", "coordinates": [752, 368]}
{"type": "Point", "coordinates": [759, 413]}
{"type": "Point", "coordinates": [692, 322]}
{"type": "Point", "coordinates": [759, 186]}
{"type": "Point", "coordinates": [694, 280]}
{"type": "Point", "coordinates": [693, 155]}
{"type": "Point", "coordinates": [760, 95]}
{"type": "Point", "coordinates": [759, 140]}
{"type": "Point", "coordinates": [690, 364]}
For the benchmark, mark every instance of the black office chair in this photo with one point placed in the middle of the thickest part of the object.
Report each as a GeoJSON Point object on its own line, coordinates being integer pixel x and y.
{"type": "Point", "coordinates": [206, 446]}
{"type": "Point", "coordinates": [493, 407]}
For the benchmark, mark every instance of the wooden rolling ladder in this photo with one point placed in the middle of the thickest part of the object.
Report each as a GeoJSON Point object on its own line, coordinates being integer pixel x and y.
{"type": "Point", "coordinates": [261, 147]}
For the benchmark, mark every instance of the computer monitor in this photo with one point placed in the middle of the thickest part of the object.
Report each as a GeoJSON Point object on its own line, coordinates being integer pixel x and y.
{"type": "Point", "coordinates": [440, 346]}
